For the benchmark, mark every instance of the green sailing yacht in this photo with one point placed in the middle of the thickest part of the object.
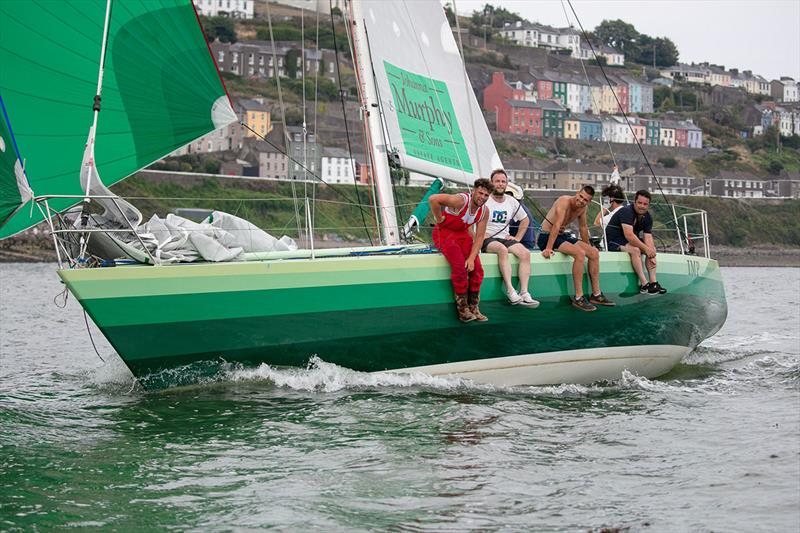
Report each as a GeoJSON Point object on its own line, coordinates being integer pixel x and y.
{"type": "Point", "coordinates": [139, 76]}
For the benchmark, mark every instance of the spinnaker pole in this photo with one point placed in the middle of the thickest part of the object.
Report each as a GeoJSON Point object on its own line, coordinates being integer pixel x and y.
{"type": "Point", "coordinates": [377, 148]}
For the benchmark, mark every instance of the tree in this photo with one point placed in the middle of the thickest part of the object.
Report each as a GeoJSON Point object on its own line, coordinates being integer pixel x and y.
{"type": "Point", "coordinates": [620, 35]}
{"type": "Point", "coordinates": [496, 17]}
{"type": "Point", "coordinates": [291, 62]}
{"type": "Point", "coordinates": [775, 167]}
{"type": "Point", "coordinates": [221, 28]}
{"type": "Point", "coordinates": [666, 52]}
{"type": "Point", "coordinates": [668, 161]}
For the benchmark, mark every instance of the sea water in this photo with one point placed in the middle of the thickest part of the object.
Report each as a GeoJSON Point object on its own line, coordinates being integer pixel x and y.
{"type": "Point", "coordinates": [713, 446]}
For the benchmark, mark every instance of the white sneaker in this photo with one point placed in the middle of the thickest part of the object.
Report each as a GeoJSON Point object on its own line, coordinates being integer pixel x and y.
{"type": "Point", "coordinates": [528, 301]}
{"type": "Point", "coordinates": [514, 298]}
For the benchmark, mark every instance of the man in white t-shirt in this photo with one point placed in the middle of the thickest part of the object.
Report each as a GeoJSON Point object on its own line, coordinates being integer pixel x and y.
{"type": "Point", "coordinates": [502, 210]}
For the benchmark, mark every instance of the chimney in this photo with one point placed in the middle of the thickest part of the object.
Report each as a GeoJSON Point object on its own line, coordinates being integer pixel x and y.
{"type": "Point", "coordinates": [519, 24]}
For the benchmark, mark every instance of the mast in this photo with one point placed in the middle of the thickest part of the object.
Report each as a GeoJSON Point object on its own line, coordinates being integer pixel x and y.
{"type": "Point", "coordinates": [371, 106]}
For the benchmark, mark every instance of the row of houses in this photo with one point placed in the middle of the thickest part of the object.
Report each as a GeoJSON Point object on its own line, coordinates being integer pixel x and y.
{"type": "Point", "coordinates": [539, 110]}
{"type": "Point", "coordinates": [574, 91]}
{"type": "Point", "coordinates": [785, 118]}
{"type": "Point", "coordinates": [537, 35]}
{"type": "Point", "coordinates": [259, 59]}
{"type": "Point", "coordinates": [784, 89]}
{"type": "Point", "coordinates": [573, 174]}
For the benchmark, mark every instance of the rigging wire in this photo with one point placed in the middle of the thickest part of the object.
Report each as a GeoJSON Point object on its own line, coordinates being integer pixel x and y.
{"type": "Point", "coordinates": [310, 172]}
{"type": "Point", "coordinates": [467, 87]}
{"type": "Point", "coordinates": [282, 107]}
{"type": "Point", "coordinates": [430, 78]}
{"type": "Point", "coordinates": [365, 133]}
{"type": "Point", "coordinates": [91, 338]}
{"type": "Point", "coordinates": [595, 105]}
{"type": "Point", "coordinates": [627, 121]}
{"type": "Point", "coordinates": [344, 116]}
{"type": "Point", "coordinates": [385, 134]}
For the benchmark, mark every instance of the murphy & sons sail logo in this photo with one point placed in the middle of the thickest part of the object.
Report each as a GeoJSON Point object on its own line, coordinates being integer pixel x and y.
{"type": "Point", "coordinates": [427, 119]}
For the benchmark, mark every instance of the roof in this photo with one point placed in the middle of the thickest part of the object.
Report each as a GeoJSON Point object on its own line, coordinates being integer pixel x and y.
{"type": "Point", "coordinates": [332, 151]}
{"type": "Point", "coordinates": [251, 105]}
{"type": "Point", "coordinates": [585, 117]}
{"type": "Point", "coordinates": [574, 166]}
{"type": "Point", "coordinates": [540, 104]}
{"type": "Point", "coordinates": [730, 174]}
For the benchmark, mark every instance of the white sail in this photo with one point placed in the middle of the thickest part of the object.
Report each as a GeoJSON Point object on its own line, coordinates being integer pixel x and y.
{"type": "Point", "coordinates": [432, 118]}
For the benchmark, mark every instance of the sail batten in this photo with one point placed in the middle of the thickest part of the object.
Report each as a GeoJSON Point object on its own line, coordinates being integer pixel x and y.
{"type": "Point", "coordinates": [432, 117]}
{"type": "Point", "coordinates": [161, 89]}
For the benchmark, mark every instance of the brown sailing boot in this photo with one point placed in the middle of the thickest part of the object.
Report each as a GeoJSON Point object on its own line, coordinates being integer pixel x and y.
{"type": "Point", "coordinates": [474, 300]}
{"type": "Point", "coordinates": [462, 308]}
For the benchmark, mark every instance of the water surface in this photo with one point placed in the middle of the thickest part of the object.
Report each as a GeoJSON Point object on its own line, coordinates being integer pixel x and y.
{"type": "Point", "coordinates": [715, 445]}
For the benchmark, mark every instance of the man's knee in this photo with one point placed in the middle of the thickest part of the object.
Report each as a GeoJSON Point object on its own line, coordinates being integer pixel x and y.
{"type": "Point", "coordinates": [592, 253]}
{"type": "Point", "coordinates": [522, 253]}
{"type": "Point", "coordinates": [579, 255]}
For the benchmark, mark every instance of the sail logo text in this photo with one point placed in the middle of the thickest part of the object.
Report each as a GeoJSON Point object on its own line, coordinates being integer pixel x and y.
{"type": "Point", "coordinates": [424, 110]}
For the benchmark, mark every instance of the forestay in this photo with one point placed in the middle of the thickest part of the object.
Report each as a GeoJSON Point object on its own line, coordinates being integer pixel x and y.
{"type": "Point", "coordinates": [161, 90]}
{"type": "Point", "coordinates": [432, 118]}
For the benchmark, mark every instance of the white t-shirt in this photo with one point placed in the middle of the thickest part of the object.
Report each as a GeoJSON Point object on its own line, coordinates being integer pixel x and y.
{"type": "Point", "coordinates": [500, 214]}
{"type": "Point", "coordinates": [606, 220]}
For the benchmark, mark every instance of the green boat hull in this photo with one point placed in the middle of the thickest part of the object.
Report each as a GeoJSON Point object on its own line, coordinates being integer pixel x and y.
{"type": "Point", "coordinates": [378, 313]}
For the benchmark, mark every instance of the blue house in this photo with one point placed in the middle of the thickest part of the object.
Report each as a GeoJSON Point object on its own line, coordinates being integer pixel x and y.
{"type": "Point", "coordinates": [591, 127]}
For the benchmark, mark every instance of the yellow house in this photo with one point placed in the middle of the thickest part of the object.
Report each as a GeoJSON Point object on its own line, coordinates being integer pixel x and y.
{"type": "Point", "coordinates": [597, 98]}
{"type": "Point", "coordinates": [609, 103]}
{"type": "Point", "coordinates": [256, 115]}
{"type": "Point", "coordinates": [572, 128]}
{"type": "Point", "coordinates": [668, 136]}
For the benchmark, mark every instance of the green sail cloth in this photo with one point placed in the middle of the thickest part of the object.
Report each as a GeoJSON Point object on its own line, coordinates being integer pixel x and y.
{"type": "Point", "coordinates": [161, 89]}
{"type": "Point", "coordinates": [11, 197]}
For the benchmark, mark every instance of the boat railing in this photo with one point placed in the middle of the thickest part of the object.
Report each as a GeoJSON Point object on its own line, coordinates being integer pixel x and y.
{"type": "Point", "coordinates": [313, 223]}
{"type": "Point", "coordinates": [676, 229]}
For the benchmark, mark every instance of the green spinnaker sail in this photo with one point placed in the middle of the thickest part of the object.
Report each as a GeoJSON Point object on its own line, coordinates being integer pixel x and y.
{"type": "Point", "coordinates": [161, 89]}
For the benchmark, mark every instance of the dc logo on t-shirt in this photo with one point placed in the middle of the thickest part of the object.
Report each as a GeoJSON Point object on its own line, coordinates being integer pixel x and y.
{"type": "Point", "coordinates": [499, 216]}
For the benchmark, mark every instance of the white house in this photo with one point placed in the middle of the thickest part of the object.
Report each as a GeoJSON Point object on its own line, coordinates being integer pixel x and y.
{"type": "Point", "coordinates": [784, 90]}
{"type": "Point", "coordinates": [240, 9]}
{"type": "Point", "coordinates": [337, 166]}
{"type": "Point", "coordinates": [541, 36]}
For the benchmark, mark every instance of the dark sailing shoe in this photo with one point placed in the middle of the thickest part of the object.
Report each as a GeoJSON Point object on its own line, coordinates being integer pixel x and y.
{"type": "Point", "coordinates": [644, 288]}
{"type": "Point", "coordinates": [656, 288]}
{"type": "Point", "coordinates": [600, 299]}
{"type": "Point", "coordinates": [583, 304]}
{"type": "Point", "coordinates": [474, 300]}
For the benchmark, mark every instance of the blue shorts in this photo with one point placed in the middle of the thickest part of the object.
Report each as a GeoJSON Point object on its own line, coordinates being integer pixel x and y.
{"type": "Point", "coordinates": [560, 239]}
{"type": "Point", "coordinates": [614, 246]}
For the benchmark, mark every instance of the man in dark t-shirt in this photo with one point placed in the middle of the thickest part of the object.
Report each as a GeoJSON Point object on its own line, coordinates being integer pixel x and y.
{"type": "Point", "coordinates": [631, 230]}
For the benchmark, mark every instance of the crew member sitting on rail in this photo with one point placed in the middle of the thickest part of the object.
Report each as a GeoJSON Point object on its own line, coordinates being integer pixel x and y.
{"type": "Point", "coordinates": [616, 200]}
{"type": "Point", "coordinates": [504, 209]}
{"type": "Point", "coordinates": [455, 214]}
{"type": "Point", "coordinates": [623, 234]}
{"type": "Point", "coordinates": [564, 210]}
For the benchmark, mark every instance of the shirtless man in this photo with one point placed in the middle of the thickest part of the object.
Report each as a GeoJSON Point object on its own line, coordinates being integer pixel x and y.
{"type": "Point", "coordinates": [551, 239]}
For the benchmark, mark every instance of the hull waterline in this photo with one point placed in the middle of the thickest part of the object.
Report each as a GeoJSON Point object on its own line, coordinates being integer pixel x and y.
{"type": "Point", "coordinates": [395, 313]}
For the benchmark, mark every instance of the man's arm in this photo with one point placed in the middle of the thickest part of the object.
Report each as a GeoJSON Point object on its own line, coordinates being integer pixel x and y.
{"type": "Point", "coordinates": [523, 226]}
{"type": "Point", "coordinates": [603, 211]}
{"type": "Point", "coordinates": [648, 240]}
{"type": "Point", "coordinates": [584, 226]}
{"type": "Point", "coordinates": [558, 215]}
{"type": "Point", "coordinates": [437, 201]}
{"type": "Point", "coordinates": [632, 239]}
{"type": "Point", "coordinates": [477, 242]}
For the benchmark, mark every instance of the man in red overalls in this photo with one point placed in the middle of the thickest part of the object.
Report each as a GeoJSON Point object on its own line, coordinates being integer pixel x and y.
{"type": "Point", "coordinates": [455, 214]}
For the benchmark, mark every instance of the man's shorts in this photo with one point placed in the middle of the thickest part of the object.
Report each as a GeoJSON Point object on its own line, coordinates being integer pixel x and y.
{"type": "Point", "coordinates": [508, 243]}
{"type": "Point", "coordinates": [616, 246]}
{"type": "Point", "coordinates": [560, 239]}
